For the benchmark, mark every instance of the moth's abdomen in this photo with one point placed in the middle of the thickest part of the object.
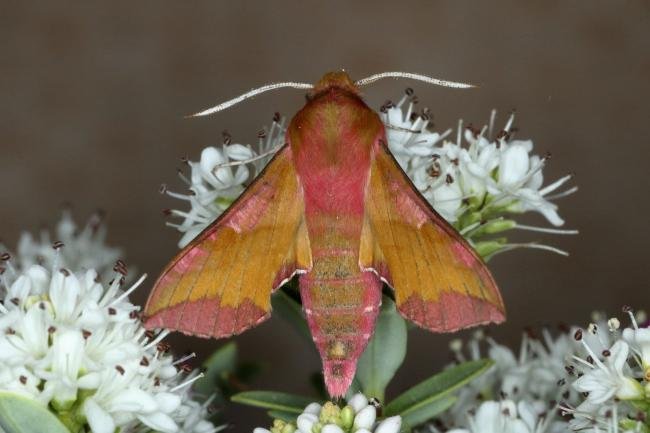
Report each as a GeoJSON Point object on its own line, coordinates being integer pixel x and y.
{"type": "Point", "coordinates": [341, 304]}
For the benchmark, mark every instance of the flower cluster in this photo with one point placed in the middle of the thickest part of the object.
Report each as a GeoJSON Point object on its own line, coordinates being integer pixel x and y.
{"type": "Point", "coordinates": [358, 416]}
{"type": "Point", "coordinates": [219, 178]}
{"type": "Point", "coordinates": [76, 345]}
{"type": "Point", "coordinates": [86, 247]}
{"type": "Point", "coordinates": [520, 392]}
{"type": "Point", "coordinates": [477, 183]}
{"type": "Point", "coordinates": [478, 187]}
{"type": "Point", "coordinates": [591, 380]}
{"type": "Point", "coordinates": [612, 375]}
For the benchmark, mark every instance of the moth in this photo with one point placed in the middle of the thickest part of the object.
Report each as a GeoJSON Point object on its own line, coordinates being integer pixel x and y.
{"type": "Point", "coordinates": [333, 207]}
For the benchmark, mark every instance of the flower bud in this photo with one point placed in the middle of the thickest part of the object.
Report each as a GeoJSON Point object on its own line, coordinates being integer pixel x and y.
{"type": "Point", "coordinates": [365, 418]}
{"type": "Point", "coordinates": [306, 421]}
{"type": "Point", "coordinates": [288, 428]}
{"type": "Point", "coordinates": [332, 428]}
{"type": "Point", "coordinates": [358, 402]}
{"type": "Point", "coordinates": [313, 408]}
{"type": "Point", "coordinates": [346, 417]}
{"type": "Point", "coordinates": [330, 413]}
{"type": "Point", "coordinates": [390, 425]}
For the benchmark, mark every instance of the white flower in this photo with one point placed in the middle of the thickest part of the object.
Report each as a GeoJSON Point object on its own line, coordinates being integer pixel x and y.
{"type": "Point", "coordinates": [365, 418]}
{"type": "Point", "coordinates": [639, 341]}
{"type": "Point", "coordinates": [474, 182]}
{"type": "Point", "coordinates": [75, 344]}
{"type": "Point", "coordinates": [531, 375]}
{"type": "Point", "coordinates": [608, 379]}
{"type": "Point", "coordinates": [357, 416]}
{"type": "Point", "coordinates": [220, 177]}
{"type": "Point", "coordinates": [85, 247]}
{"type": "Point", "coordinates": [505, 417]}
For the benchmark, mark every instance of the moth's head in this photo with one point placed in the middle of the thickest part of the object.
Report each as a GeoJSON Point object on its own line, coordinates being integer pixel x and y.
{"type": "Point", "coordinates": [335, 80]}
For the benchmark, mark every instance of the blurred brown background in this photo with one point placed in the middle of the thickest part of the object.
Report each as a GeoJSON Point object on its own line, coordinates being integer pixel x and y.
{"type": "Point", "coordinates": [93, 95]}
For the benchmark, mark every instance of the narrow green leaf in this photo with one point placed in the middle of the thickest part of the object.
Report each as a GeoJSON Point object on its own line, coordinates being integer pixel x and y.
{"type": "Point", "coordinates": [291, 311]}
{"type": "Point", "coordinates": [277, 401]}
{"type": "Point", "coordinates": [437, 386]}
{"type": "Point", "coordinates": [23, 415]}
{"type": "Point", "coordinates": [422, 414]}
{"type": "Point", "coordinates": [284, 416]}
{"type": "Point", "coordinates": [222, 361]}
{"type": "Point", "coordinates": [385, 352]}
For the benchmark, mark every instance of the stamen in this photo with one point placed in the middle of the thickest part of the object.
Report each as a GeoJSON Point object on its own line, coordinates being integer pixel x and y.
{"type": "Point", "coordinates": [188, 216]}
{"type": "Point", "coordinates": [509, 122]}
{"type": "Point", "coordinates": [184, 358]}
{"type": "Point", "coordinates": [158, 339]}
{"type": "Point", "coordinates": [184, 178]}
{"type": "Point", "coordinates": [532, 245]}
{"type": "Point", "coordinates": [178, 195]}
{"type": "Point", "coordinates": [444, 83]}
{"type": "Point", "coordinates": [493, 116]}
{"type": "Point", "coordinates": [562, 194]}
{"type": "Point", "coordinates": [247, 161]}
{"type": "Point", "coordinates": [546, 230]}
{"type": "Point", "coordinates": [630, 313]}
{"type": "Point", "coordinates": [555, 185]}
{"type": "Point", "coordinates": [129, 291]}
{"type": "Point", "coordinates": [593, 355]}
{"type": "Point", "coordinates": [187, 382]}
{"type": "Point", "coordinates": [250, 94]}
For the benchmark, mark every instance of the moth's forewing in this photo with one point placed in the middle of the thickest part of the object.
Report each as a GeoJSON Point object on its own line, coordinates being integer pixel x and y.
{"type": "Point", "coordinates": [221, 283]}
{"type": "Point", "coordinates": [440, 282]}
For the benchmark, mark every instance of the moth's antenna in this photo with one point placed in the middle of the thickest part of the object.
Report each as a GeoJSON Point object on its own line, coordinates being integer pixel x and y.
{"type": "Point", "coordinates": [250, 94]}
{"type": "Point", "coordinates": [376, 77]}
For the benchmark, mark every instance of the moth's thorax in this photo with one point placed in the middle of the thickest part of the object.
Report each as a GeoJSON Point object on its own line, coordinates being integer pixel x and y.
{"type": "Point", "coordinates": [331, 141]}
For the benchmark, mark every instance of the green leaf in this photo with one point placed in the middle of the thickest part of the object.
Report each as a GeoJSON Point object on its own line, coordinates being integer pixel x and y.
{"type": "Point", "coordinates": [220, 363]}
{"type": "Point", "coordinates": [385, 352]}
{"type": "Point", "coordinates": [291, 311]}
{"type": "Point", "coordinates": [436, 387]}
{"type": "Point", "coordinates": [23, 415]}
{"type": "Point", "coordinates": [276, 401]}
{"type": "Point", "coordinates": [426, 412]}
{"type": "Point", "coordinates": [284, 416]}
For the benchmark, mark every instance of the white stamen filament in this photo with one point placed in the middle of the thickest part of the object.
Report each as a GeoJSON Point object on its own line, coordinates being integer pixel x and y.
{"type": "Point", "coordinates": [546, 230]}
{"type": "Point", "coordinates": [184, 358]}
{"type": "Point", "coordinates": [158, 339]}
{"type": "Point", "coordinates": [555, 185]}
{"type": "Point", "coordinates": [633, 319]}
{"type": "Point", "coordinates": [593, 355]}
{"type": "Point", "coordinates": [187, 382]}
{"type": "Point", "coordinates": [129, 291]}
{"type": "Point", "coordinates": [493, 116]}
{"type": "Point", "coordinates": [509, 122]}
{"type": "Point", "coordinates": [247, 161]}
{"type": "Point", "coordinates": [562, 194]}
{"type": "Point", "coordinates": [532, 245]}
